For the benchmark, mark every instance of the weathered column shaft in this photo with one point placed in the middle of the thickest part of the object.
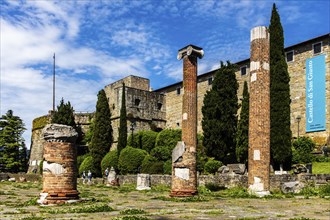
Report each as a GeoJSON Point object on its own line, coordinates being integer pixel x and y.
{"type": "Point", "coordinates": [259, 111]}
{"type": "Point", "coordinates": [189, 104]}
{"type": "Point", "coordinates": [184, 176]}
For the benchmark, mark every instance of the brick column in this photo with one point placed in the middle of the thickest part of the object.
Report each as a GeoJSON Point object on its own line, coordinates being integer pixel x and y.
{"type": "Point", "coordinates": [184, 176]}
{"type": "Point", "coordinates": [259, 113]}
{"type": "Point", "coordinates": [60, 165]}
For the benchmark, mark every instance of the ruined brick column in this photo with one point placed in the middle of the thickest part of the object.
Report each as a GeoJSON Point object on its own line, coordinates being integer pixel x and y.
{"type": "Point", "coordinates": [184, 176]}
{"type": "Point", "coordinates": [60, 165]}
{"type": "Point", "coordinates": [259, 113]}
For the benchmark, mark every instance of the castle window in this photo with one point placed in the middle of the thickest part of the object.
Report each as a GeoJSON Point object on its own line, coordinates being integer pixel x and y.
{"type": "Point", "coordinates": [178, 90]}
{"type": "Point", "coordinates": [289, 56]}
{"type": "Point", "coordinates": [317, 48]}
{"type": "Point", "coordinates": [137, 102]}
{"type": "Point", "coordinates": [159, 106]}
{"type": "Point", "coordinates": [209, 81]}
{"type": "Point", "coordinates": [243, 70]}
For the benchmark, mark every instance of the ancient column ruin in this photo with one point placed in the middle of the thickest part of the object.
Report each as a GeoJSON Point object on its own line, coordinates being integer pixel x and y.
{"type": "Point", "coordinates": [259, 113]}
{"type": "Point", "coordinates": [60, 165]}
{"type": "Point", "coordinates": [184, 176]}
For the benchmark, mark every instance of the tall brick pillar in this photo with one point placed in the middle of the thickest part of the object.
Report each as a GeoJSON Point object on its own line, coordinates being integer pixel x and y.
{"type": "Point", "coordinates": [184, 176]}
{"type": "Point", "coordinates": [259, 113]}
{"type": "Point", "coordinates": [60, 165]}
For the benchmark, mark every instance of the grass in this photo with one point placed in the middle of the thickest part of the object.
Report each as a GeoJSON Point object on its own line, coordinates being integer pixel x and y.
{"type": "Point", "coordinates": [321, 167]}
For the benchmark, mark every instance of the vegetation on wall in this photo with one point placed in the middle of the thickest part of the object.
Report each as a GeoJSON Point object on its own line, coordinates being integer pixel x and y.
{"type": "Point", "coordinates": [40, 122]}
{"type": "Point", "coordinates": [220, 115]}
{"type": "Point", "coordinates": [280, 132]}
{"type": "Point", "coordinates": [102, 135]}
{"type": "Point", "coordinates": [13, 156]}
{"type": "Point", "coordinates": [242, 137]}
{"type": "Point", "coordinates": [122, 130]}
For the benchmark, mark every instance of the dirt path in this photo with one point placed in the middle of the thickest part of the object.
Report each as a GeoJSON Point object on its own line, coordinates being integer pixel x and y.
{"type": "Point", "coordinates": [18, 201]}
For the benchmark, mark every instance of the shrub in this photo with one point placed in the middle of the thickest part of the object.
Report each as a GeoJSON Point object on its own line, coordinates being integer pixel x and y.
{"type": "Point", "coordinates": [88, 164]}
{"type": "Point", "coordinates": [325, 190]}
{"type": "Point", "coordinates": [168, 137]}
{"type": "Point", "coordinates": [130, 160]}
{"type": "Point", "coordinates": [302, 150]}
{"type": "Point", "coordinates": [80, 159]}
{"type": "Point", "coordinates": [162, 153]}
{"type": "Point", "coordinates": [110, 160]}
{"type": "Point", "coordinates": [167, 167]}
{"type": "Point", "coordinates": [148, 140]}
{"type": "Point", "coordinates": [151, 165]}
{"type": "Point", "coordinates": [212, 166]}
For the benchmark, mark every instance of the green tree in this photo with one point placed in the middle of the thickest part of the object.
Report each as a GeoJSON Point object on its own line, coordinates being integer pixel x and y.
{"type": "Point", "coordinates": [11, 143]}
{"type": "Point", "coordinates": [102, 135]}
{"type": "Point", "coordinates": [64, 114]}
{"type": "Point", "coordinates": [280, 132]}
{"type": "Point", "coordinates": [242, 136]}
{"type": "Point", "coordinates": [23, 158]}
{"type": "Point", "coordinates": [122, 130]}
{"type": "Point", "coordinates": [220, 115]}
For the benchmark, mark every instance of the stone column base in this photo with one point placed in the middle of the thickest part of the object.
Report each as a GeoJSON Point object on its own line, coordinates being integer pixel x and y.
{"type": "Point", "coordinates": [59, 197]}
{"type": "Point", "coordinates": [183, 193]}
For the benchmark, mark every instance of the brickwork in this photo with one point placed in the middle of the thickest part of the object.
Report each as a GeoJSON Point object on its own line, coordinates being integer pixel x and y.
{"type": "Point", "coordinates": [60, 165]}
{"type": "Point", "coordinates": [259, 111]}
{"type": "Point", "coordinates": [186, 185]}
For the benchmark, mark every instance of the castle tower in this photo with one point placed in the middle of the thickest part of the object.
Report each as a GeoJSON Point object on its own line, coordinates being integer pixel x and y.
{"type": "Point", "coordinates": [184, 177]}
{"type": "Point", "coordinates": [259, 112]}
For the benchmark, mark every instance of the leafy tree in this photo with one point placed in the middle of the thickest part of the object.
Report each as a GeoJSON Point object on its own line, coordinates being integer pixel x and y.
{"type": "Point", "coordinates": [242, 137]}
{"type": "Point", "coordinates": [102, 136]}
{"type": "Point", "coordinates": [64, 114]}
{"type": "Point", "coordinates": [122, 130]}
{"type": "Point", "coordinates": [280, 132]}
{"type": "Point", "coordinates": [302, 150]}
{"type": "Point", "coordinates": [220, 115]}
{"type": "Point", "coordinates": [12, 147]}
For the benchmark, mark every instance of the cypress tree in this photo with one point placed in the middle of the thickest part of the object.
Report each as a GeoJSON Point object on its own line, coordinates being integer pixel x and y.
{"type": "Point", "coordinates": [102, 135]}
{"type": "Point", "coordinates": [220, 115]}
{"type": "Point", "coordinates": [64, 114]}
{"type": "Point", "coordinates": [242, 137]}
{"type": "Point", "coordinates": [11, 141]}
{"type": "Point", "coordinates": [122, 130]}
{"type": "Point", "coordinates": [280, 132]}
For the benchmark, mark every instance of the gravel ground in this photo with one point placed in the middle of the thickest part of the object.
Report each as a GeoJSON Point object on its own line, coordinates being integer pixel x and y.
{"type": "Point", "coordinates": [18, 201]}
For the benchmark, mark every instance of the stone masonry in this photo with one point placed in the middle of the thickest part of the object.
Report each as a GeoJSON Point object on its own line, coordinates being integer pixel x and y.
{"type": "Point", "coordinates": [60, 165]}
{"type": "Point", "coordinates": [184, 176]}
{"type": "Point", "coordinates": [259, 112]}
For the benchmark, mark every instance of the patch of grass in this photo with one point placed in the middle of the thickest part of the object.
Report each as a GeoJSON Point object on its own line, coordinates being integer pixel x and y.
{"type": "Point", "coordinates": [127, 188]}
{"type": "Point", "coordinates": [251, 218]}
{"type": "Point", "coordinates": [160, 188]}
{"type": "Point", "coordinates": [215, 212]}
{"type": "Point", "coordinates": [132, 212]}
{"type": "Point", "coordinates": [302, 218]}
{"type": "Point", "coordinates": [85, 209]}
{"type": "Point", "coordinates": [183, 199]}
{"type": "Point", "coordinates": [321, 167]}
{"type": "Point", "coordinates": [214, 187]}
{"type": "Point", "coordinates": [324, 190]}
{"type": "Point", "coordinates": [132, 217]}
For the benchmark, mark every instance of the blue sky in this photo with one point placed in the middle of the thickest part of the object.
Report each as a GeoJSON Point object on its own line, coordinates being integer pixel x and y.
{"type": "Point", "coordinates": [99, 42]}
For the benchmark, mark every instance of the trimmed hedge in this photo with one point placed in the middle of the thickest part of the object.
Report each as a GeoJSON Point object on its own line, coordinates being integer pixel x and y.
{"type": "Point", "coordinates": [144, 140]}
{"type": "Point", "coordinates": [302, 150]}
{"type": "Point", "coordinates": [130, 160]}
{"type": "Point", "coordinates": [151, 165]}
{"type": "Point", "coordinates": [88, 164]}
{"type": "Point", "coordinates": [168, 137]}
{"type": "Point", "coordinates": [162, 153]}
{"type": "Point", "coordinates": [167, 167]}
{"type": "Point", "coordinates": [110, 160]}
{"type": "Point", "coordinates": [212, 166]}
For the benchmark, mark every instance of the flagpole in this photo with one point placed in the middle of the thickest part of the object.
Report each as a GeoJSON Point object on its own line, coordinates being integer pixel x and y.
{"type": "Point", "coordinates": [54, 84]}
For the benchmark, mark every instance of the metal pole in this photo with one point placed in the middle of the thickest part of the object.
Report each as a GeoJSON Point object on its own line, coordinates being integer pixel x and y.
{"type": "Point", "coordinates": [54, 84]}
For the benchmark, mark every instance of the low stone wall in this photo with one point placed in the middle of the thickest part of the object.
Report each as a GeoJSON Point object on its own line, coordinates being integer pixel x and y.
{"type": "Point", "coordinates": [226, 180]}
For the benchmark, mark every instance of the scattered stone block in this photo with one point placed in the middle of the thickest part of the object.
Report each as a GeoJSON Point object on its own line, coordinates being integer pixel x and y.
{"type": "Point", "coordinates": [12, 179]}
{"type": "Point", "coordinates": [223, 169]}
{"type": "Point", "coordinates": [237, 168]}
{"type": "Point", "coordinates": [292, 187]}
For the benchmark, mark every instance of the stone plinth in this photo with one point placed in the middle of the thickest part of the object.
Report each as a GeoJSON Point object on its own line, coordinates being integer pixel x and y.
{"type": "Point", "coordinates": [143, 182]}
{"type": "Point", "coordinates": [60, 165]}
{"type": "Point", "coordinates": [184, 176]}
{"type": "Point", "coordinates": [259, 113]}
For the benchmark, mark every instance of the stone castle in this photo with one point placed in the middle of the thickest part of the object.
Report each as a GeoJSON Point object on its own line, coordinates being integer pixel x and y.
{"type": "Point", "coordinates": [162, 108]}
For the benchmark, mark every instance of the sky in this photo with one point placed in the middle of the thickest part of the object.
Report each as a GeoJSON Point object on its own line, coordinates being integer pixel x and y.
{"type": "Point", "coordinates": [99, 42]}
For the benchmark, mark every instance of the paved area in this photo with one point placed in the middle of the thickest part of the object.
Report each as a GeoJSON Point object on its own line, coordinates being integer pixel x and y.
{"type": "Point", "coordinates": [18, 201]}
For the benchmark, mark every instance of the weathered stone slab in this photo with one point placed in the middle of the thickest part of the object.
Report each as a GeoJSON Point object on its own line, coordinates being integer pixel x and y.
{"type": "Point", "coordinates": [182, 173]}
{"type": "Point", "coordinates": [292, 187]}
{"type": "Point", "coordinates": [59, 133]}
{"type": "Point", "coordinates": [237, 168]}
{"type": "Point", "coordinates": [178, 151]}
{"type": "Point", "coordinates": [143, 182]}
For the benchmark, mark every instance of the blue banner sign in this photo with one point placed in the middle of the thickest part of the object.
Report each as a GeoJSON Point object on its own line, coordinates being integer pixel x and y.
{"type": "Point", "coordinates": [315, 94]}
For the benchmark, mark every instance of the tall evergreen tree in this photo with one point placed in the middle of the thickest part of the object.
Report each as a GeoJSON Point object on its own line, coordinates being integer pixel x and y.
{"type": "Point", "coordinates": [242, 137]}
{"type": "Point", "coordinates": [23, 158]}
{"type": "Point", "coordinates": [122, 130]}
{"type": "Point", "coordinates": [220, 115]}
{"type": "Point", "coordinates": [11, 141]}
{"type": "Point", "coordinates": [280, 132]}
{"type": "Point", "coordinates": [64, 114]}
{"type": "Point", "coordinates": [102, 136]}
